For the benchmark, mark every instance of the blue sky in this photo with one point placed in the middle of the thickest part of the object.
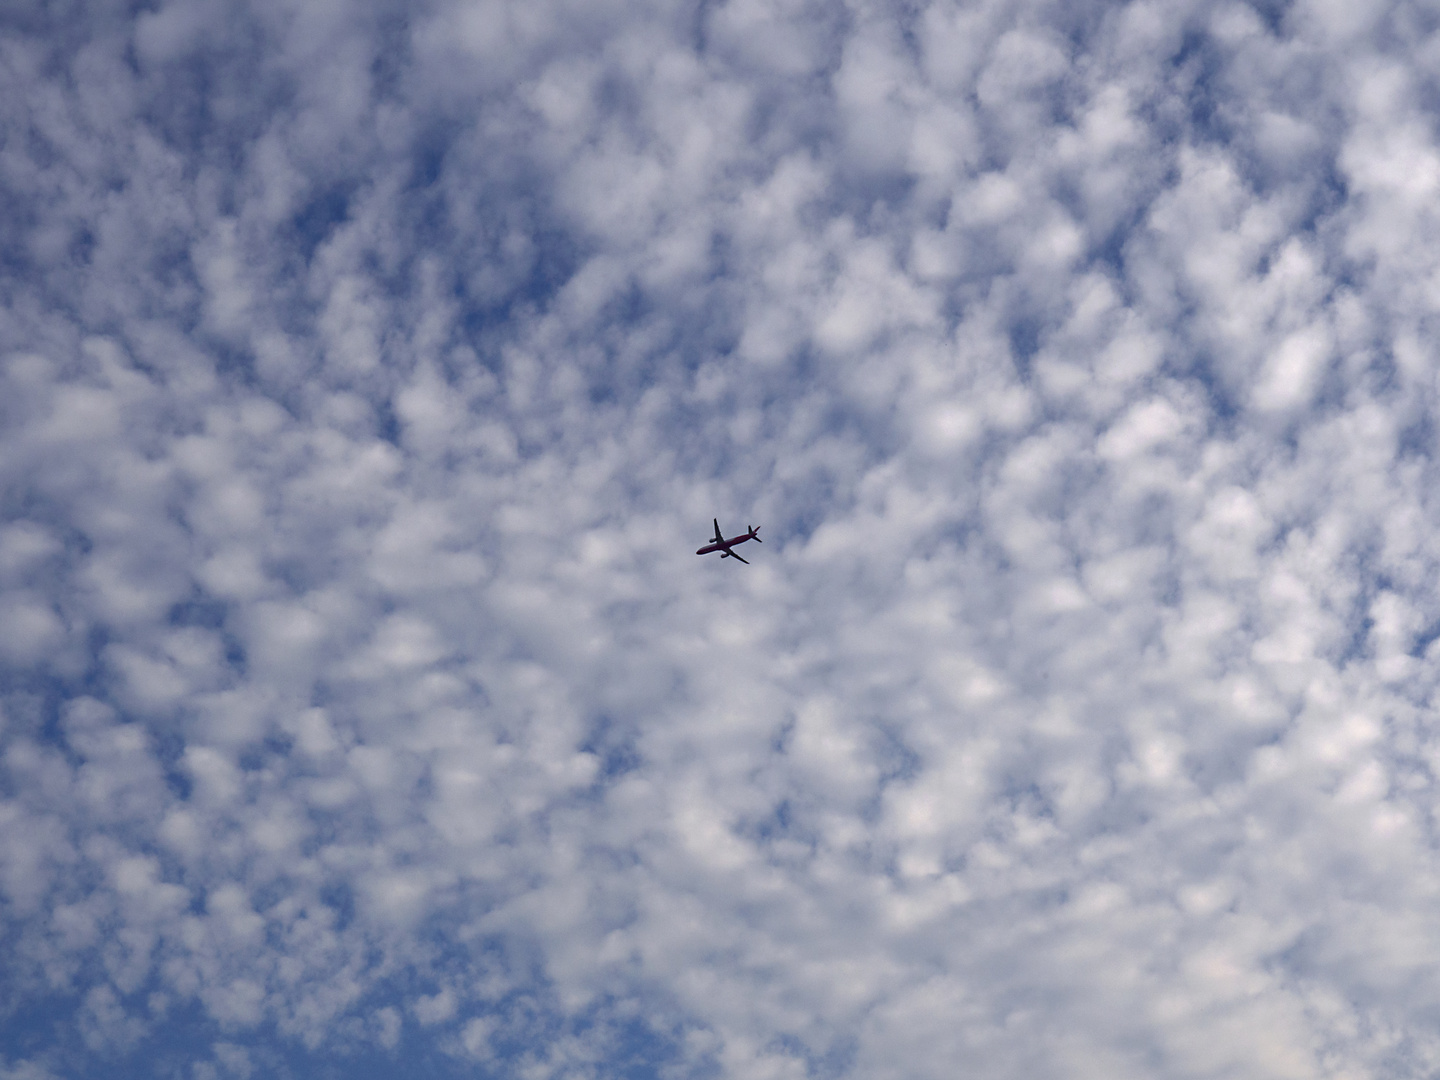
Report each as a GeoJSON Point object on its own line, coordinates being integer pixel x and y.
{"type": "Point", "coordinates": [371, 373]}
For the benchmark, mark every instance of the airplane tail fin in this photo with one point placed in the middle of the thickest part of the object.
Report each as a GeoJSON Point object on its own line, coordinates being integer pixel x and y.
{"type": "Point", "coordinates": [753, 530]}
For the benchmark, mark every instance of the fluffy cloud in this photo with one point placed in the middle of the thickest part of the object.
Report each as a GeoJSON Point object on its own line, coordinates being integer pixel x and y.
{"type": "Point", "coordinates": [370, 373]}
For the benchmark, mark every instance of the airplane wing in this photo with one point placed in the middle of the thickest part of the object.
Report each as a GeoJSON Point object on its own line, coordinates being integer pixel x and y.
{"type": "Point", "coordinates": [718, 538]}
{"type": "Point", "coordinates": [734, 556]}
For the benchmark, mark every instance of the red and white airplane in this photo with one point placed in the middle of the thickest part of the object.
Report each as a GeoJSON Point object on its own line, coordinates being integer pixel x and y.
{"type": "Point", "coordinates": [723, 546]}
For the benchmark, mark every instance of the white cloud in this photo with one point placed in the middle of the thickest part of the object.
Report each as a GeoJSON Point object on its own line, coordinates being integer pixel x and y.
{"type": "Point", "coordinates": [364, 400]}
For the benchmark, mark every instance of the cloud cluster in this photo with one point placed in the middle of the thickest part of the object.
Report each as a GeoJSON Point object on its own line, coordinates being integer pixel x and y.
{"type": "Point", "coordinates": [369, 372]}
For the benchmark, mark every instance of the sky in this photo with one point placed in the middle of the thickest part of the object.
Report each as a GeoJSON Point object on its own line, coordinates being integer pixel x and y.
{"type": "Point", "coordinates": [371, 371]}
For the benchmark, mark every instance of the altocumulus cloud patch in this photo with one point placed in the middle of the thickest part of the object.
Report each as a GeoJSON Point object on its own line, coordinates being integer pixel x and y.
{"type": "Point", "coordinates": [370, 373]}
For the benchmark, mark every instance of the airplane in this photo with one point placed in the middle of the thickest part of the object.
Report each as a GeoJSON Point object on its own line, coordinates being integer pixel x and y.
{"type": "Point", "coordinates": [723, 546]}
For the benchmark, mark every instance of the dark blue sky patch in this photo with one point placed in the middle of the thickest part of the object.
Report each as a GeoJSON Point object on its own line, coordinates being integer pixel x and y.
{"type": "Point", "coordinates": [317, 219]}
{"type": "Point", "coordinates": [616, 747]}
{"type": "Point", "coordinates": [807, 504]}
{"type": "Point", "coordinates": [1026, 334]}
{"type": "Point", "coordinates": [834, 1058]}
{"type": "Point", "coordinates": [40, 1026]}
{"type": "Point", "coordinates": [513, 264]}
{"type": "Point", "coordinates": [428, 156]}
{"type": "Point", "coordinates": [211, 104]}
{"type": "Point", "coordinates": [1109, 252]}
{"type": "Point", "coordinates": [632, 1046]}
{"type": "Point", "coordinates": [1223, 398]}
{"type": "Point", "coordinates": [199, 610]}
{"type": "Point", "coordinates": [895, 759]}
{"type": "Point", "coordinates": [1197, 71]}
{"type": "Point", "coordinates": [387, 423]}
{"type": "Point", "coordinates": [1273, 14]}
{"type": "Point", "coordinates": [34, 705]}
{"type": "Point", "coordinates": [185, 1038]}
{"type": "Point", "coordinates": [168, 747]}
{"type": "Point", "coordinates": [339, 898]}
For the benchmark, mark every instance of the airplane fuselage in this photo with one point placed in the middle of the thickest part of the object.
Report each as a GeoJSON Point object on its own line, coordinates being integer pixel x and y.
{"type": "Point", "coordinates": [726, 545]}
